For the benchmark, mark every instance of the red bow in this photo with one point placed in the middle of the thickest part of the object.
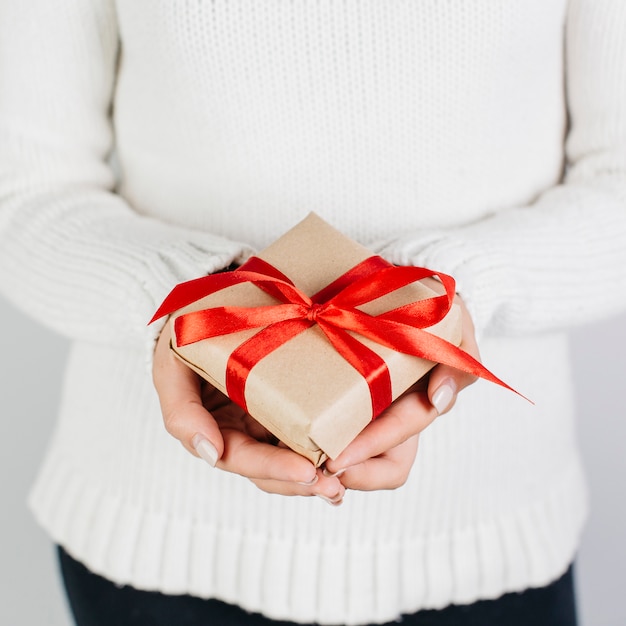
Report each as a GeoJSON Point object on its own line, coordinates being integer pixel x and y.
{"type": "Point", "coordinates": [334, 310]}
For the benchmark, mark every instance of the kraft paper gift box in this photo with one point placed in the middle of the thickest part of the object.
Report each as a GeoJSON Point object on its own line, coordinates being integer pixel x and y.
{"type": "Point", "coordinates": [304, 392]}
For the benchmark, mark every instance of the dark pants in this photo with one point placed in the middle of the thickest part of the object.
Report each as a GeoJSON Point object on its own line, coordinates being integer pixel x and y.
{"type": "Point", "coordinates": [96, 601]}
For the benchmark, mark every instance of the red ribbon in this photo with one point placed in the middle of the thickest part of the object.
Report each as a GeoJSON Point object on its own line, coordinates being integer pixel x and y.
{"type": "Point", "coordinates": [334, 310]}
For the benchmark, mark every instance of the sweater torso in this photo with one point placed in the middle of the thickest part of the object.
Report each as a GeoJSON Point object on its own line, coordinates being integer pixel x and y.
{"type": "Point", "coordinates": [375, 115]}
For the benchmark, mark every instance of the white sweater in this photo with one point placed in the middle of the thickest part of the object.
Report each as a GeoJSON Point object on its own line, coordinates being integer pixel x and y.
{"type": "Point", "coordinates": [484, 138]}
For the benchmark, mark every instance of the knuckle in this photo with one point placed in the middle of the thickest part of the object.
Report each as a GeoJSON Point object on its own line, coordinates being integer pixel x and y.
{"type": "Point", "coordinates": [173, 422]}
{"type": "Point", "coordinates": [400, 426]}
{"type": "Point", "coordinates": [168, 418]}
{"type": "Point", "coordinates": [267, 463]}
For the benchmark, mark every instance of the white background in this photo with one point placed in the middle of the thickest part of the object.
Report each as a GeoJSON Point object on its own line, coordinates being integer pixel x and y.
{"type": "Point", "coordinates": [31, 364]}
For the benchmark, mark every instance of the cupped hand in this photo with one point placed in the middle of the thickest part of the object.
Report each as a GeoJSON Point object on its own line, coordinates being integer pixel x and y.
{"type": "Point", "coordinates": [383, 453]}
{"type": "Point", "coordinates": [212, 427]}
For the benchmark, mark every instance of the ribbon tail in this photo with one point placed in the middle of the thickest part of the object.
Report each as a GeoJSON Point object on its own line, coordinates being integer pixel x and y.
{"type": "Point", "coordinates": [251, 351]}
{"type": "Point", "coordinates": [439, 350]}
{"type": "Point", "coordinates": [422, 344]}
{"type": "Point", "coordinates": [449, 354]}
{"type": "Point", "coordinates": [365, 361]}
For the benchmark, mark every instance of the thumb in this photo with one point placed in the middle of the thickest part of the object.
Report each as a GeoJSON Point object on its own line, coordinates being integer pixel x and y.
{"type": "Point", "coordinates": [445, 382]}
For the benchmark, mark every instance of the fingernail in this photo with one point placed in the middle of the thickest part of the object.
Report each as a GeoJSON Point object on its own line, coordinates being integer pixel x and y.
{"type": "Point", "coordinates": [444, 395]}
{"type": "Point", "coordinates": [311, 482]}
{"type": "Point", "coordinates": [331, 501]}
{"type": "Point", "coordinates": [205, 449]}
{"type": "Point", "coordinates": [336, 474]}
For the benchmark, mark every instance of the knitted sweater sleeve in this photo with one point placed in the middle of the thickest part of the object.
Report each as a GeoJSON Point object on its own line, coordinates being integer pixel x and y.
{"type": "Point", "coordinates": [73, 254]}
{"type": "Point", "coordinates": [562, 260]}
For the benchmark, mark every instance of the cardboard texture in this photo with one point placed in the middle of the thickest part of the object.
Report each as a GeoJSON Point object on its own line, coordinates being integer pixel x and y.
{"type": "Point", "coordinates": [304, 392]}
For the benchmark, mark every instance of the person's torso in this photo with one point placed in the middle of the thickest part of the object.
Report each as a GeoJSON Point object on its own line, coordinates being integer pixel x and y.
{"type": "Point", "coordinates": [381, 116]}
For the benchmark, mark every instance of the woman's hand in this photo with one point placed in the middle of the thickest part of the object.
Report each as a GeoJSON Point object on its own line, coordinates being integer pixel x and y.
{"type": "Point", "coordinates": [382, 455]}
{"type": "Point", "coordinates": [212, 427]}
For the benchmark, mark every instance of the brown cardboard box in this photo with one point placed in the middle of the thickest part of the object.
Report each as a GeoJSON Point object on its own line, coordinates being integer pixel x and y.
{"type": "Point", "coordinates": [305, 392]}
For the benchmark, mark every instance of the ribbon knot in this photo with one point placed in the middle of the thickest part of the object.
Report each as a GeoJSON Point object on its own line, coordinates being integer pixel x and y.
{"type": "Point", "coordinates": [313, 311]}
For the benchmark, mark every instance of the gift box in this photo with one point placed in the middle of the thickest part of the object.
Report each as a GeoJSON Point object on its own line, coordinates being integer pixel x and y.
{"type": "Point", "coordinates": [312, 382]}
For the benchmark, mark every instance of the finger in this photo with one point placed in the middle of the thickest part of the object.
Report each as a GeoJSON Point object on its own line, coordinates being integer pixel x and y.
{"type": "Point", "coordinates": [445, 382]}
{"type": "Point", "coordinates": [263, 461]}
{"type": "Point", "coordinates": [406, 417]}
{"type": "Point", "coordinates": [184, 416]}
{"type": "Point", "coordinates": [388, 471]}
{"type": "Point", "coordinates": [328, 489]}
